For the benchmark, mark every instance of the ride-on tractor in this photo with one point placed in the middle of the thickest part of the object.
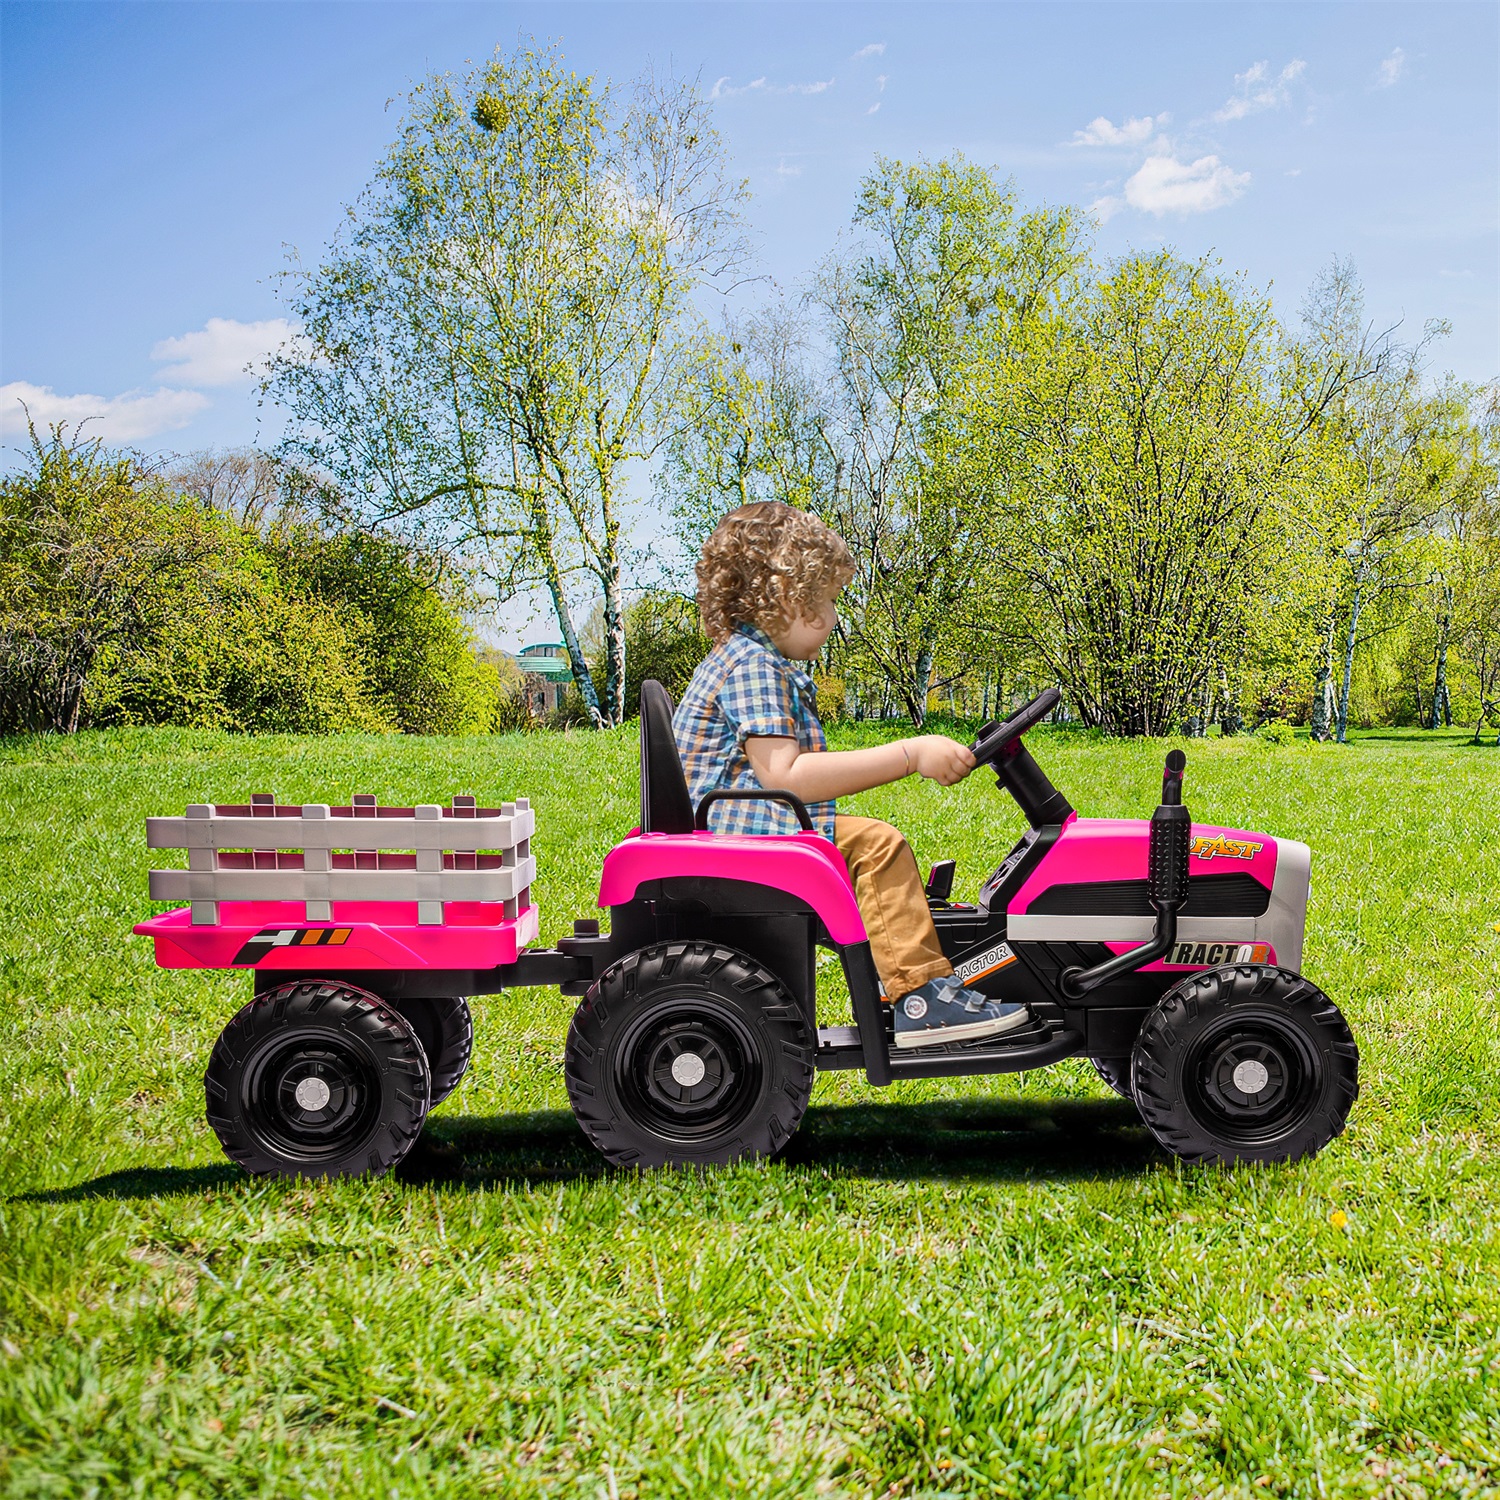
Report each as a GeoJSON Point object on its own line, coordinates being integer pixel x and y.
{"type": "Point", "coordinates": [1165, 951]}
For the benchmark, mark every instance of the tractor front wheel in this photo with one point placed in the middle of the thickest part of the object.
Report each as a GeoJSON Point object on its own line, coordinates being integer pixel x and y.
{"type": "Point", "coordinates": [689, 1054]}
{"type": "Point", "coordinates": [1247, 1063]}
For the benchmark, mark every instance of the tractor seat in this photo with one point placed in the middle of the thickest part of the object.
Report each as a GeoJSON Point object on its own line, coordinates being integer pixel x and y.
{"type": "Point", "coordinates": [666, 806]}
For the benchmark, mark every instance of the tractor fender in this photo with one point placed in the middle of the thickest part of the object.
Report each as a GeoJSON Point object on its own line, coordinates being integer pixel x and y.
{"type": "Point", "coordinates": [805, 865]}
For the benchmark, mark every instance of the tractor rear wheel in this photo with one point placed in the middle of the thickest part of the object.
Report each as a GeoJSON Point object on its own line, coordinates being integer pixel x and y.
{"type": "Point", "coordinates": [316, 1079]}
{"type": "Point", "coordinates": [445, 1029]}
{"type": "Point", "coordinates": [1247, 1063]}
{"type": "Point", "coordinates": [1115, 1071]}
{"type": "Point", "coordinates": [689, 1054]}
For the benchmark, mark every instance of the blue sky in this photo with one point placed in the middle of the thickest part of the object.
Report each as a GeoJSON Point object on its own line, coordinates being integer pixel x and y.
{"type": "Point", "coordinates": [159, 160]}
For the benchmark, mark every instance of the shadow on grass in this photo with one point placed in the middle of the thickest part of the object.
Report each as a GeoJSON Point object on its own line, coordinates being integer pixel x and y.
{"type": "Point", "coordinates": [972, 1139]}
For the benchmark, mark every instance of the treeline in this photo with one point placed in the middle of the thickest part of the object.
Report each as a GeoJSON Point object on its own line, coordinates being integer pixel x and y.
{"type": "Point", "coordinates": [210, 596]}
{"type": "Point", "coordinates": [1130, 478]}
{"type": "Point", "coordinates": [232, 591]}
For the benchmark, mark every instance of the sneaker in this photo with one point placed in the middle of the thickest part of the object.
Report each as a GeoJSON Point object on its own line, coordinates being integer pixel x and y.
{"type": "Point", "coordinates": [944, 1011]}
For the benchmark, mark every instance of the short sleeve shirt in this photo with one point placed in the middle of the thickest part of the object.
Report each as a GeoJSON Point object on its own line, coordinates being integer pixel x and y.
{"type": "Point", "coordinates": [744, 687]}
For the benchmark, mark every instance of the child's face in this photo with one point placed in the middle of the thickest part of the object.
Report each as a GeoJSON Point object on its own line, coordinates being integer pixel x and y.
{"type": "Point", "coordinates": [804, 638]}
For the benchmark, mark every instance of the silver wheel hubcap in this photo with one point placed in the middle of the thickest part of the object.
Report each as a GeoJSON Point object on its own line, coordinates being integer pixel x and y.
{"type": "Point", "coordinates": [1250, 1077]}
{"type": "Point", "coordinates": [688, 1069]}
{"type": "Point", "coordinates": [312, 1094]}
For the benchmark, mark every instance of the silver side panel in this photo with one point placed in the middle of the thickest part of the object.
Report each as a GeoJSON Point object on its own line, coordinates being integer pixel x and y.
{"type": "Point", "coordinates": [1285, 920]}
{"type": "Point", "coordinates": [1049, 929]}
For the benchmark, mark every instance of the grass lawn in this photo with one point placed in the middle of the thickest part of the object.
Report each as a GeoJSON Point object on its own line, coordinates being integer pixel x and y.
{"type": "Point", "coordinates": [967, 1287]}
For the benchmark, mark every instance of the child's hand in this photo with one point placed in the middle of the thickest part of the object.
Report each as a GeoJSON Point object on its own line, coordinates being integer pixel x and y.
{"type": "Point", "coordinates": [940, 759]}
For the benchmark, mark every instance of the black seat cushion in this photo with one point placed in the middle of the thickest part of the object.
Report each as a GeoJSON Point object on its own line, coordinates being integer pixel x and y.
{"type": "Point", "coordinates": [665, 804]}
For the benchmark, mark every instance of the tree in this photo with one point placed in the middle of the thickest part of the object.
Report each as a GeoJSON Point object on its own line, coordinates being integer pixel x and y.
{"type": "Point", "coordinates": [1395, 462]}
{"type": "Point", "coordinates": [94, 560]}
{"type": "Point", "coordinates": [1136, 447]}
{"type": "Point", "coordinates": [942, 259]}
{"type": "Point", "coordinates": [940, 251]}
{"type": "Point", "coordinates": [1475, 572]}
{"type": "Point", "coordinates": [501, 334]}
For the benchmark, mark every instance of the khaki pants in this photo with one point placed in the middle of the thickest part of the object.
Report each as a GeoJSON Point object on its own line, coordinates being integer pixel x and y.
{"type": "Point", "coordinates": [888, 888]}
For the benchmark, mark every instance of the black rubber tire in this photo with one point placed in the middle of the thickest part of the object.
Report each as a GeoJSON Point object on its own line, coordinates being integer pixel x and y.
{"type": "Point", "coordinates": [1115, 1071]}
{"type": "Point", "coordinates": [368, 1064]}
{"type": "Point", "coordinates": [446, 1031]}
{"type": "Point", "coordinates": [1296, 1045]}
{"type": "Point", "coordinates": [654, 1007]}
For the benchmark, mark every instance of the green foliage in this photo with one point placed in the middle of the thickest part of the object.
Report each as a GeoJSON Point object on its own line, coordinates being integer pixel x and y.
{"type": "Point", "coordinates": [416, 655]}
{"type": "Point", "coordinates": [1127, 478]}
{"type": "Point", "coordinates": [124, 603]}
{"type": "Point", "coordinates": [664, 639]}
{"type": "Point", "coordinates": [981, 1287]}
{"type": "Point", "coordinates": [1133, 448]}
{"type": "Point", "coordinates": [245, 658]}
{"type": "Point", "coordinates": [94, 561]}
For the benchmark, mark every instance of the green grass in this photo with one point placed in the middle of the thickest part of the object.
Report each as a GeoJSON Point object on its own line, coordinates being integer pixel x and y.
{"type": "Point", "coordinates": [986, 1287]}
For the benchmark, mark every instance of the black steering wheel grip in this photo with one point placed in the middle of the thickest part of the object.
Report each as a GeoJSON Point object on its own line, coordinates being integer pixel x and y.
{"type": "Point", "coordinates": [993, 738]}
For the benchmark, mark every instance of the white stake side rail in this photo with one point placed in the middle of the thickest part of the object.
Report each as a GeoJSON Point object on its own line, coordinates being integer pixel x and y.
{"type": "Point", "coordinates": [319, 854]}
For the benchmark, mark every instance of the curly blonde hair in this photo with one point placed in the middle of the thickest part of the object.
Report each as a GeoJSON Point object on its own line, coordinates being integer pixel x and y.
{"type": "Point", "coordinates": [768, 564]}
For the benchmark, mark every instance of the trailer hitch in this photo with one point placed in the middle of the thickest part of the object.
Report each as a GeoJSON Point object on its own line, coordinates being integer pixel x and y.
{"type": "Point", "coordinates": [1166, 887]}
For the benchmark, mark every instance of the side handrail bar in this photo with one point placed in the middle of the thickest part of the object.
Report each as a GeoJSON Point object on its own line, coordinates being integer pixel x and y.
{"type": "Point", "coordinates": [751, 794]}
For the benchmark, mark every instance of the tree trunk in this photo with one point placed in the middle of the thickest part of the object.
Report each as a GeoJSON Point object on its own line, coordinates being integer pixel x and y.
{"type": "Point", "coordinates": [1442, 709]}
{"type": "Point", "coordinates": [921, 680]}
{"type": "Point", "coordinates": [1231, 720]}
{"type": "Point", "coordinates": [1322, 704]}
{"type": "Point", "coordinates": [542, 543]}
{"type": "Point", "coordinates": [1341, 735]}
{"type": "Point", "coordinates": [581, 679]}
{"type": "Point", "coordinates": [614, 650]}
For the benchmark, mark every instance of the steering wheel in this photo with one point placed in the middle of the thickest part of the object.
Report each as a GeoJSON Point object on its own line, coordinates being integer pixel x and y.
{"type": "Point", "coordinates": [993, 738]}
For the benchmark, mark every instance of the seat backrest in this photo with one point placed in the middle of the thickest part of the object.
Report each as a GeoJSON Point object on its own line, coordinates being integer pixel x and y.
{"type": "Point", "coordinates": [665, 804]}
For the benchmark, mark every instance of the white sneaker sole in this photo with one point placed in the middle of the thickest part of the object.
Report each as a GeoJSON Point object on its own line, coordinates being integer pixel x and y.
{"type": "Point", "coordinates": [975, 1029]}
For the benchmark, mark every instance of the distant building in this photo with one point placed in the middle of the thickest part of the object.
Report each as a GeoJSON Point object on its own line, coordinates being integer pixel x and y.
{"type": "Point", "coordinates": [547, 675]}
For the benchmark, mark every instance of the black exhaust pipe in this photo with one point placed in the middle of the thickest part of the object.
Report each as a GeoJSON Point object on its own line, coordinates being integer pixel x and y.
{"type": "Point", "coordinates": [1166, 886]}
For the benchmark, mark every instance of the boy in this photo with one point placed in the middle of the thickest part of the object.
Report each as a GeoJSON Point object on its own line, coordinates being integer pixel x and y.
{"type": "Point", "coordinates": [767, 582]}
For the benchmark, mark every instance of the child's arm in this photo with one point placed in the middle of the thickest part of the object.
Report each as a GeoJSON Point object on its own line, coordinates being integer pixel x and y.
{"type": "Point", "coordinates": [819, 775]}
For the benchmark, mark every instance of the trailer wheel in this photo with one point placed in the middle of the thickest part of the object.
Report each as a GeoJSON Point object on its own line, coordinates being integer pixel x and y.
{"type": "Point", "coordinates": [689, 1054]}
{"type": "Point", "coordinates": [446, 1031]}
{"type": "Point", "coordinates": [1115, 1071]}
{"type": "Point", "coordinates": [317, 1079]}
{"type": "Point", "coordinates": [1247, 1063]}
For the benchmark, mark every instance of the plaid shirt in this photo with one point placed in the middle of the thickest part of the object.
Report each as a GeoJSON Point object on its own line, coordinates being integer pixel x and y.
{"type": "Point", "coordinates": [745, 686]}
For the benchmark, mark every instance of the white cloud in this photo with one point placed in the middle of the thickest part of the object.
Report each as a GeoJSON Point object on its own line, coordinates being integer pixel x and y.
{"type": "Point", "coordinates": [784, 168]}
{"type": "Point", "coordinates": [880, 82]}
{"type": "Point", "coordinates": [222, 352]}
{"type": "Point", "coordinates": [1164, 185]}
{"type": "Point", "coordinates": [116, 419]}
{"type": "Point", "coordinates": [1391, 69]}
{"type": "Point", "coordinates": [871, 110]}
{"type": "Point", "coordinates": [1104, 209]}
{"type": "Point", "coordinates": [874, 49]}
{"type": "Point", "coordinates": [723, 89]}
{"type": "Point", "coordinates": [1100, 132]}
{"type": "Point", "coordinates": [1257, 89]}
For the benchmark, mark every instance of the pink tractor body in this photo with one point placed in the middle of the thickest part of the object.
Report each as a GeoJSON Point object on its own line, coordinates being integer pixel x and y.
{"type": "Point", "coordinates": [1167, 952]}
